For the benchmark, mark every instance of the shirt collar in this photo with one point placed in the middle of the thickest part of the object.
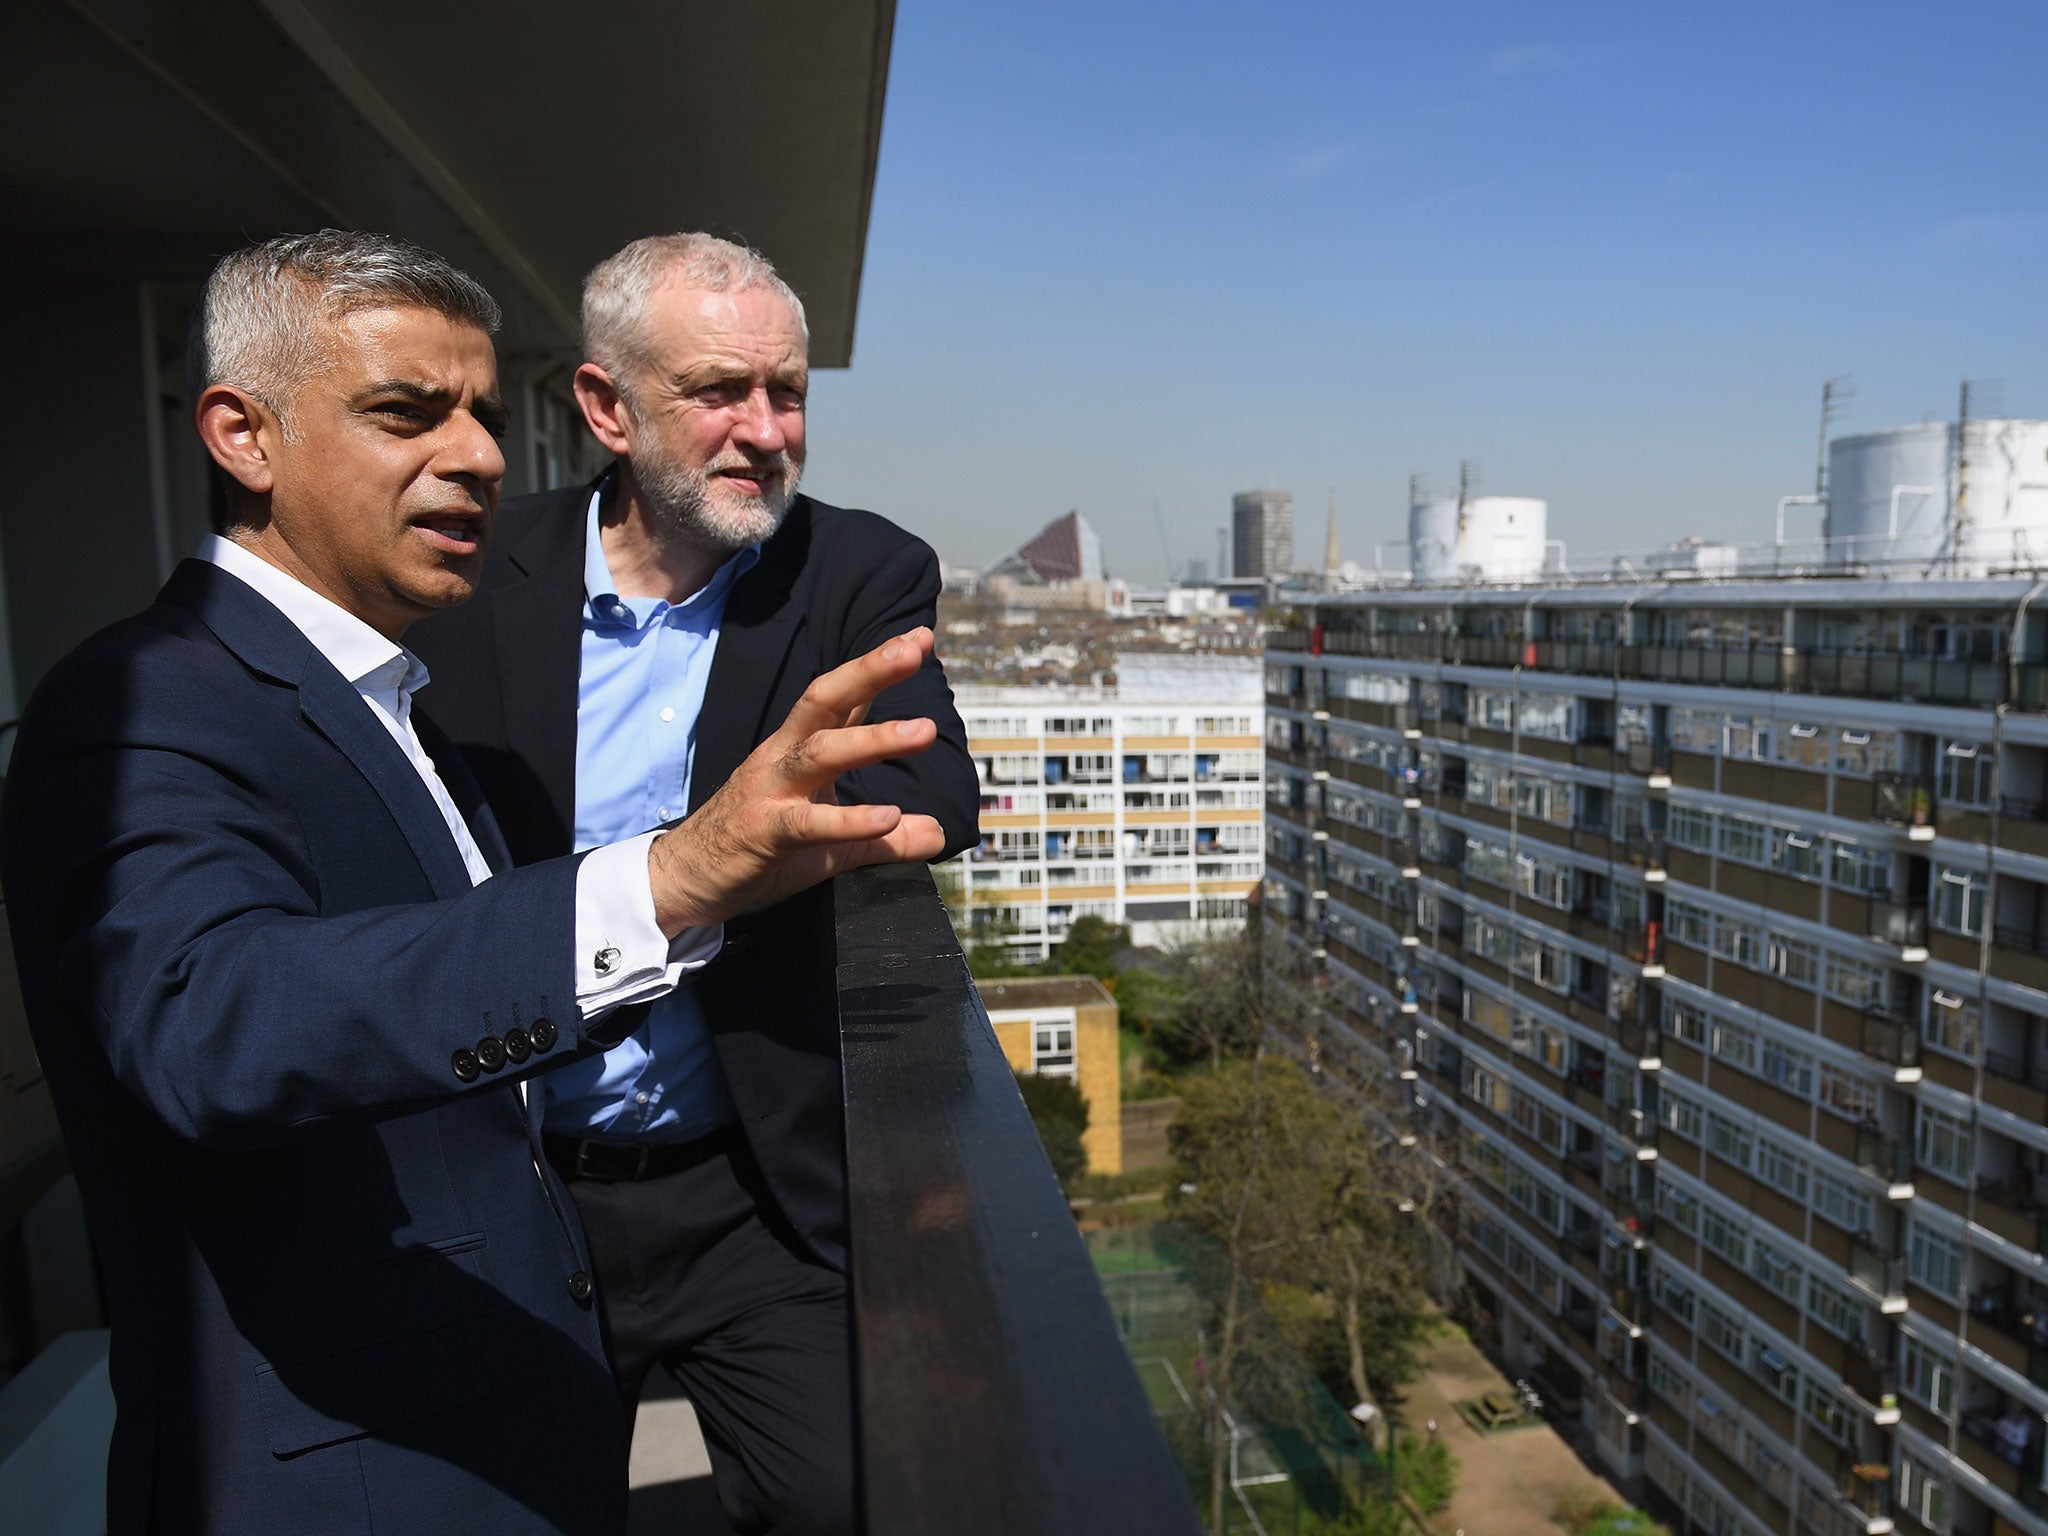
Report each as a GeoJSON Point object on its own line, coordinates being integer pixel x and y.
{"type": "Point", "coordinates": [353, 648]}
{"type": "Point", "coordinates": [601, 594]}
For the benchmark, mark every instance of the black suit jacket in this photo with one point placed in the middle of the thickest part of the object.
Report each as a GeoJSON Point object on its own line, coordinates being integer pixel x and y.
{"type": "Point", "coordinates": [342, 1296]}
{"type": "Point", "coordinates": [830, 585]}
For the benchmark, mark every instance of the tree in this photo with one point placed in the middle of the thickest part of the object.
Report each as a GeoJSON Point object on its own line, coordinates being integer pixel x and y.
{"type": "Point", "coordinates": [1090, 948]}
{"type": "Point", "coordinates": [1230, 989]}
{"type": "Point", "coordinates": [1294, 1191]}
{"type": "Point", "coordinates": [1061, 1116]}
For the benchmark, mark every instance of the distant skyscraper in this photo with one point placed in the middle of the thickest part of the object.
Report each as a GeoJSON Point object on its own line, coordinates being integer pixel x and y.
{"type": "Point", "coordinates": [1331, 559]}
{"type": "Point", "coordinates": [1262, 526]}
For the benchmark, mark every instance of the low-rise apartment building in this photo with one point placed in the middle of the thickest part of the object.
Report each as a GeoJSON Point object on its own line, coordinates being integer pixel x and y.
{"type": "Point", "coordinates": [1139, 802]}
{"type": "Point", "coordinates": [1699, 930]}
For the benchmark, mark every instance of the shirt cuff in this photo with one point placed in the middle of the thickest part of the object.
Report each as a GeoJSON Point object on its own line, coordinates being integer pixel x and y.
{"type": "Point", "coordinates": [622, 956]}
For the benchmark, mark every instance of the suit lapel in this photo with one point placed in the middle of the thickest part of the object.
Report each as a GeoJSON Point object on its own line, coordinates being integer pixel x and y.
{"type": "Point", "coordinates": [265, 640]}
{"type": "Point", "coordinates": [537, 627]}
{"type": "Point", "coordinates": [762, 620]}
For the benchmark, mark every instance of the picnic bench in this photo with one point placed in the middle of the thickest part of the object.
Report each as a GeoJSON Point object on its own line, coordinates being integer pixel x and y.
{"type": "Point", "coordinates": [1499, 1408]}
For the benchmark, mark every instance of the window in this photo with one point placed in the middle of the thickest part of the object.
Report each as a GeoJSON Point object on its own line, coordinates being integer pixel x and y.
{"type": "Point", "coordinates": [1804, 746]}
{"type": "Point", "coordinates": [1853, 867]}
{"type": "Point", "coordinates": [1935, 1261]}
{"type": "Point", "coordinates": [1732, 1043]}
{"type": "Point", "coordinates": [1793, 960]}
{"type": "Point", "coordinates": [1928, 1378]}
{"type": "Point", "coordinates": [1923, 1495]}
{"type": "Point", "coordinates": [1781, 1170]}
{"type": "Point", "coordinates": [1693, 731]}
{"type": "Point", "coordinates": [1775, 1371]}
{"type": "Point", "coordinates": [1786, 1068]}
{"type": "Point", "coordinates": [1548, 716]}
{"type": "Point", "coordinates": [1749, 738]}
{"type": "Point", "coordinates": [1052, 1050]}
{"type": "Point", "coordinates": [1669, 1383]}
{"type": "Point", "coordinates": [1943, 1144]}
{"type": "Point", "coordinates": [1866, 752]}
{"type": "Point", "coordinates": [1745, 841]}
{"type": "Point", "coordinates": [1830, 1412]}
{"type": "Point", "coordinates": [1730, 1141]}
{"type": "Point", "coordinates": [1951, 1024]}
{"type": "Point", "coordinates": [1724, 1235]}
{"type": "Point", "coordinates": [1841, 1203]}
{"type": "Point", "coordinates": [1963, 773]}
{"type": "Point", "coordinates": [1680, 1115]}
{"type": "Point", "coordinates": [1956, 904]}
{"type": "Point", "coordinates": [1833, 1308]}
{"type": "Point", "coordinates": [1774, 1267]}
{"type": "Point", "coordinates": [1676, 1206]}
{"type": "Point", "coordinates": [1490, 710]}
{"type": "Point", "coordinates": [1687, 924]}
{"type": "Point", "coordinates": [1850, 1097]}
{"type": "Point", "coordinates": [1721, 1329]}
{"type": "Point", "coordinates": [1686, 827]}
{"type": "Point", "coordinates": [1854, 982]}
{"type": "Point", "coordinates": [1797, 853]}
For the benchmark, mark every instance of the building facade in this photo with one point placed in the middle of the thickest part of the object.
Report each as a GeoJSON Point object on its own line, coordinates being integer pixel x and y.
{"type": "Point", "coordinates": [1140, 803]}
{"type": "Point", "coordinates": [1262, 533]}
{"type": "Point", "coordinates": [1066, 1026]}
{"type": "Point", "coordinates": [1697, 934]}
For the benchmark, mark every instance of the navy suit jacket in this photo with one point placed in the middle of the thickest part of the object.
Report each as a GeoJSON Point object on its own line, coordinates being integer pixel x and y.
{"type": "Point", "coordinates": [831, 585]}
{"type": "Point", "coordinates": [342, 1296]}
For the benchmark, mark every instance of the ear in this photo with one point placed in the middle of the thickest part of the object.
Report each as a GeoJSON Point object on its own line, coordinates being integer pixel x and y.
{"type": "Point", "coordinates": [241, 433]}
{"type": "Point", "coordinates": [604, 409]}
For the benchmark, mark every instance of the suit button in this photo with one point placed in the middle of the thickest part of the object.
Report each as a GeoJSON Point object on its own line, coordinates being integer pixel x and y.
{"type": "Point", "coordinates": [543, 1034]}
{"type": "Point", "coordinates": [465, 1065]}
{"type": "Point", "coordinates": [579, 1286]}
{"type": "Point", "coordinates": [518, 1045]}
{"type": "Point", "coordinates": [490, 1053]}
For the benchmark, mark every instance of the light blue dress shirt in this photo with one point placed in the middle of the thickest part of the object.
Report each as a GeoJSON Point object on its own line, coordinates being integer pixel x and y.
{"type": "Point", "coordinates": [645, 663]}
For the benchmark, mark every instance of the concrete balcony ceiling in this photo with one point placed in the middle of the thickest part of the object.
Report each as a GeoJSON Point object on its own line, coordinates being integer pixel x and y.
{"type": "Point", "coordinates": [524, 140]}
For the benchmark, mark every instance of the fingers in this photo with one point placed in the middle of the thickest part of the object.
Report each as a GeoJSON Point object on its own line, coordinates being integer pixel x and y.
{"type": "Point", "coordinates": [829, 703]}
{"type": "Point", "coordinates": [809, 765]}
{"type": "Point", "coordinates": [864, 834]}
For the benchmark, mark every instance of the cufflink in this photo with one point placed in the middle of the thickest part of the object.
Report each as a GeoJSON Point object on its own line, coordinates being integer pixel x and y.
{"type": "Point", "coordinates": [605, 961]}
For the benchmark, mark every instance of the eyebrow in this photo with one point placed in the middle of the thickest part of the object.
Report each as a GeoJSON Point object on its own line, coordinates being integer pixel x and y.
{"type": "Point", "coordinates": [703, 374]}
{"type": "Point", "coordinates": [488, 409]}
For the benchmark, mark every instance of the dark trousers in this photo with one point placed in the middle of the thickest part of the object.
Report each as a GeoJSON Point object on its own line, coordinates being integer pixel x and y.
{"type": "Point", "coordinates": [696, 1273]}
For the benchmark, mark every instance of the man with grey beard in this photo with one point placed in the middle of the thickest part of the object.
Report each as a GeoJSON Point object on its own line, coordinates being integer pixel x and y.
{"type": "Point", "coordinates": [632, 640]}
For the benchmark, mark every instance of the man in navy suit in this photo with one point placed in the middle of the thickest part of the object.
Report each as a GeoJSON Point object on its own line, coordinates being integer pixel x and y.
{"type": "Point", "coordinates": [287, 987]}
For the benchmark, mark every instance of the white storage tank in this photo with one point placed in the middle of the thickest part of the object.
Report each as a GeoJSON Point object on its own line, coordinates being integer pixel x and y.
{"type": "Point", "coordinates": [1487, 539]}
{"type": "Point", "coordinates": [1892, 498]}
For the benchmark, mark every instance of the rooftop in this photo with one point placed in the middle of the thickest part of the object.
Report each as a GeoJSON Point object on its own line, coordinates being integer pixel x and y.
{"type": "Point", "coordinates": [1044, 992]}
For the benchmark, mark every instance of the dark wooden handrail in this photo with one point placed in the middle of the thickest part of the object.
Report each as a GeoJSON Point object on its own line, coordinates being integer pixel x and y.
{"type": "Point", "coordinates": [995, 1391]}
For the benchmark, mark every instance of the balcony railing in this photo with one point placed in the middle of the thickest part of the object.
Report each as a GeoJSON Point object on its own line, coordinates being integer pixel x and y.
{"type": "Point", "coordinates": [1903, 928]}
{"type": "Point", "coordinates": [995, 1393]}
{"type": "Point", "coordinates": [1893, 1041]}
{"type": "Point", "coordinates": [1905, 799]}
{"type": "Point", "coordinates": [1889, 1157]}
{"type": "Point", "coordinates": [1878, 1272]}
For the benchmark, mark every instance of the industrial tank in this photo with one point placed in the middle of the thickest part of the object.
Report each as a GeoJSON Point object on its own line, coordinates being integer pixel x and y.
{"type": "Point", "coordinates": [1488, 538]}
{"type": "Point", "coordinates": [1893, 498]}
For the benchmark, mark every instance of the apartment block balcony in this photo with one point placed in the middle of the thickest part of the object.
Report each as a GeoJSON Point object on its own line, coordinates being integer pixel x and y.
{"type": "Point", "coordinates": [1882, 1274]}
{"type": "Point", "coordinates": [1889, 1157]}
{"type": "Point", "coordinates": [1893, 1041]}
{"type": "Point", "coordinates": [1906, 800]}
{"type": "Point", "coordinates": [2006, 1205]}
{"type": "Point", "coordinates": [995, 1392]}
{"type": "Point", "coordinates": [1901, 927]}
{"type": "Point", "coordinates": [1651, 762]}
{"type": "Point", "coordinates": [1865, 1489]}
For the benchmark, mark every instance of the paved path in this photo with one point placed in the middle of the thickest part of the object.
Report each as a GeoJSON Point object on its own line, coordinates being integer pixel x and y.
{"type": "Point", "coordinates": [1509, 1483]}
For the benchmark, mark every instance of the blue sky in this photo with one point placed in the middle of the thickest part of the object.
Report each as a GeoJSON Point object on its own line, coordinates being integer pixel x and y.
{"type": "Point", "coordinates": [1125, 252]}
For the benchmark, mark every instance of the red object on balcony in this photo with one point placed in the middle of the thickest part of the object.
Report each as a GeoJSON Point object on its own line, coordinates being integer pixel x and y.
{"type": "Point", "coordinates": [1529, 654]}
{"type": "Point", "coordinates": [1315, 641]}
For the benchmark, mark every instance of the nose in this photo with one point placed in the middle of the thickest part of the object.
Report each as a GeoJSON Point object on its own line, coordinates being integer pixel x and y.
{"type": "Point", "coordinates": [759, 425]}
{"type": "Point", "coordinates": [473, 454]}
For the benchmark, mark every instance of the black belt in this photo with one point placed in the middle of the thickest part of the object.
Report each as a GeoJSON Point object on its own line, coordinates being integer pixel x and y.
{"type": "Point", "coordinates": [615, 1162]}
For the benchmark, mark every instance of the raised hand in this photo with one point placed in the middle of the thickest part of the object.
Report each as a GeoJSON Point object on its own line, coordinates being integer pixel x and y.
{"type": "Point", "coordinates": [774, 828]}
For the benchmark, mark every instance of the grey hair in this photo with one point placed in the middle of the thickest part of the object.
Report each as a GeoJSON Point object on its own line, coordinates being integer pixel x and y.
{"type": "Point", "coordinates": [262, 318]}
{"type": "Point", "coordinates": [617, 291]}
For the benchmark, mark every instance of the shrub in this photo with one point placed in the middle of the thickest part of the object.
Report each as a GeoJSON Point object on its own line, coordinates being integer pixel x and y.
{"type": "Point", "coordinates": [1577, 1508]}
{"type": "Point", "coordinates": [1427, 1472]}
{"type": "Point", "coordinates": [1061, 1115]}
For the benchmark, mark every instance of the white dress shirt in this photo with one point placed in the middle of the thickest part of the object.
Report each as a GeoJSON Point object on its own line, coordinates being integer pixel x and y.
{"type": "Point", "coordinates": [621, 954]}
